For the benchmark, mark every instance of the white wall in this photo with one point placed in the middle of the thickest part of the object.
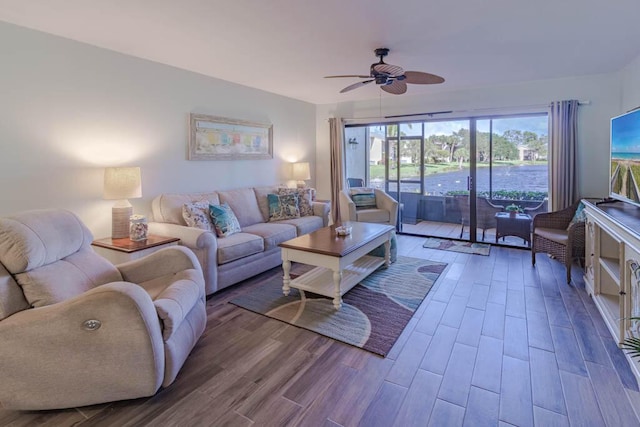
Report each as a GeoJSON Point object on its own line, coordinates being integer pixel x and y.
{"type": "Point", "coordinates": [69, 109]}
{"type": "Point", "coordinates": [603, 92]}
{"type": "Point", "coordinates": [630, 86]}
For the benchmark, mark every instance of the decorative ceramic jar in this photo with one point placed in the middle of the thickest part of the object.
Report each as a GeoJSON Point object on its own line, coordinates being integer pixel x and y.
{"type": "Point", "coordinates": [138, 228]}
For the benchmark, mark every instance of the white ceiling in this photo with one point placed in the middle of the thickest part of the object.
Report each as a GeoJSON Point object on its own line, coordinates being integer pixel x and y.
{"type": "Point", "coordinates": [287, 46]}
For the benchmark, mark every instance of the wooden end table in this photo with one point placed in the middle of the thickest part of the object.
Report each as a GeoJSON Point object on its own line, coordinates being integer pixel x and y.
{"type": "Point", "coordinates": [341, 261]}
{"type": "Point", "coordinates": [122, 250]}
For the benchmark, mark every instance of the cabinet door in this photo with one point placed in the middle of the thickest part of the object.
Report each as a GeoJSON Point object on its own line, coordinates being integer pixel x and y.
{"type": "Point", "coordinates": [632, 291]}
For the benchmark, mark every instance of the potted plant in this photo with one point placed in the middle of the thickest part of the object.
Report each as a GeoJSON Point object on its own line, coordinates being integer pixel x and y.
{"type": "Point", "coordinates": [513, 209]}
{"type": "Point", "coordinates": [632, 344]}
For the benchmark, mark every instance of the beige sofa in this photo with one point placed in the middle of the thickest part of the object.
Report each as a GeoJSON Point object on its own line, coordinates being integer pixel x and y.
{"type": "Point", "coordinates": [76, 330]}
{"type": "Point", "coordinates": [229, 260]}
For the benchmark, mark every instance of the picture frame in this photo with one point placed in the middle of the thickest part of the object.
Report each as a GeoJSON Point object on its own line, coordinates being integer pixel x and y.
{"type": "Point", "coordinates": [222, 138]}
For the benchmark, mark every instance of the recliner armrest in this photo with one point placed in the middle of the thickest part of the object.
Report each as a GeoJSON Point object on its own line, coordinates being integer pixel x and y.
{"type": "Point", "coordinates": [175, 302]}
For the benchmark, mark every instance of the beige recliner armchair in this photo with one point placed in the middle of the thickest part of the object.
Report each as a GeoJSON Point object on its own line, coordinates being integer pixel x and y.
{"type": "Point", "coordinates": [76, 330]}
{"type": "Point", "coordinates": [385, 211]}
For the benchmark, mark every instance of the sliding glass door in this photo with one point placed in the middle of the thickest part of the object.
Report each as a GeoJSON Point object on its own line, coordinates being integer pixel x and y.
{"type": "Point", "coordinates": [451, 177]}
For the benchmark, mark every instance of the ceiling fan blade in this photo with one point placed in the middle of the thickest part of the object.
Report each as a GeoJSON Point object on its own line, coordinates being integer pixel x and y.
{"type": "Point", "coordinates": [398, 87]}
{"type": "Point", "coordinates": [360, 76]}
{"type": "Point", "coordinates": [388, 69]}
{"type": "Point", "coordinates": [420, 78]}
{"type": "Point", "coordinates": [356, 85]}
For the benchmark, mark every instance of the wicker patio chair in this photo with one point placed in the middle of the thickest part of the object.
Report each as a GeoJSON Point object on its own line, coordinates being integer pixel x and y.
{"type": "Point", "coordinates": [552, 235]}
{"type": "Point", "coordinates": [485, 213]}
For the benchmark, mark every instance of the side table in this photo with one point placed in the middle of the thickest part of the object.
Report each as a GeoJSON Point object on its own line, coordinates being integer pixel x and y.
{"type": "Point", "coordinates": [518, 225]}
{"type": "Point", "coordinates": [122, 250]}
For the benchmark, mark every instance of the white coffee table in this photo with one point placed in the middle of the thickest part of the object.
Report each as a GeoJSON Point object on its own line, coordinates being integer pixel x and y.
{"type": "Point", "coordinates": [341, 261]}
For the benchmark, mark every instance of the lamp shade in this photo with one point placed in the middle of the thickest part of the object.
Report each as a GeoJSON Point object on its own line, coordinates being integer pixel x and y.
{"type": "Point", "coordinates": [122, 183]}
{"type": "Point", "coordinates": [301, 171]}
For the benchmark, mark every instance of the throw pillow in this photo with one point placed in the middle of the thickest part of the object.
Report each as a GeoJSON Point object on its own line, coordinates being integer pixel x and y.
{"type": "Point", "coordinates": [225, 221]}
{"type": "Point", "coordinates": [364, 198]}
{"type": "Point", "coordinates": [197, 215]}
{"type": "Point", "coordinates": [304, 198]}
{"type": "Point", "coordinates": [579, 216]}
{"type": "Point", "coordinates": [283, 207]}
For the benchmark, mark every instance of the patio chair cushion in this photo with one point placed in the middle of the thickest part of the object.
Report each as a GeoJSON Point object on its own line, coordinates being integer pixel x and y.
{"type": "Point", "coordinates": [554, 234]}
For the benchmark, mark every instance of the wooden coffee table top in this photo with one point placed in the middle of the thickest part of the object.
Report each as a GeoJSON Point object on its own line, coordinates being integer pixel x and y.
{"type": "Point", "coordinates": [325, 240]}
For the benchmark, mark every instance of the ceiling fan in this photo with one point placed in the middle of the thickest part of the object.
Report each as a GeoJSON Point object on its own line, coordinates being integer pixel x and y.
{"type": "Point", "coordinates": [391, 78]}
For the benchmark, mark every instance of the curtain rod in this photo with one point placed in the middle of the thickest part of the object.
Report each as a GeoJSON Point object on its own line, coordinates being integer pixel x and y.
{"type": "Point", "coordinates": [473, 110]}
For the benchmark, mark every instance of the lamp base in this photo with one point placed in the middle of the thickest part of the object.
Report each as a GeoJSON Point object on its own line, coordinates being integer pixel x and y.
{"type": "Point", "coordinates": [301, 184]}
{"type": "Point", "coordinates": [120, 221]}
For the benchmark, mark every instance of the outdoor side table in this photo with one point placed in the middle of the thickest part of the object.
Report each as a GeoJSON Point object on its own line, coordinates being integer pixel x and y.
{"type": "Point", "coordinates": [518, 225]}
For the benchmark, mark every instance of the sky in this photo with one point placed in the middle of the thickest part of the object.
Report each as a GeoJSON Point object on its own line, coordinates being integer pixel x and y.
{"type": "Point", "coordinates": [625, 133]}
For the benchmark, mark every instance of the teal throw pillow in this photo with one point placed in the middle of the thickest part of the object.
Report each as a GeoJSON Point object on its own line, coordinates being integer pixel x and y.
{"type": "Point", "coordinates": [283, 206]}
{"type": "Point", "coordinates": [225, 221]}
{"type": "Point", "coordinates": [363, 198]}
{"type": "Point", "coordinates": [579, 216]}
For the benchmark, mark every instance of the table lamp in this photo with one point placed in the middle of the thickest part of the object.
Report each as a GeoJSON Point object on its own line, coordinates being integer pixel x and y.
{"type": "Point", "coordinates": [121, 184]}
{"type": "Point", "coordinates": [301, 173]}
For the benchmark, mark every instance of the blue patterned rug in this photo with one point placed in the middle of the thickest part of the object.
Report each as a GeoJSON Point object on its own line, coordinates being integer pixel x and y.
{"type": "Point", "coordinates": [373, 315]}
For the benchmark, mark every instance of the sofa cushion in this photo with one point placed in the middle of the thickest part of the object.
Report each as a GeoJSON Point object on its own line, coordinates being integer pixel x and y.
{"type": "Point", "coordinates": [261, 197]}
{"type": "Point", "coordinates": [373, 215]}
{"type": "Point", "coordinates": [168, 207]}
{"type": "Point", "coordinates": [67, 278]}
{"type": "Point", "coordinates": [283, 207]}
{"type": "Point", "coordinates": [197, 215]}
{"type": "Point", "coordinates": [238, 246]}
{"type": "Point", "coordinates": [305, 197]}
{"type": "Point", "coordinates": [305, 224]}
{"type": "Point", "coordinates": [243, 202]}
{"type": "Point", "coordinates": [273, 234]}
{"type": "Point", "coordinates": [224, 220]}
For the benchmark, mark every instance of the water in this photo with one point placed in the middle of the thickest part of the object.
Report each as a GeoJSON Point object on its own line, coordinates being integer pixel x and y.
{"type": "Point", "coordinates": [518, 178]}
{"type": "Point", "coordinates": [625, 156]}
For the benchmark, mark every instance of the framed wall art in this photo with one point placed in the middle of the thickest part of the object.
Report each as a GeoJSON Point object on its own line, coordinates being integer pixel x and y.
{"type": "Point", "coordinates": [221, 138]}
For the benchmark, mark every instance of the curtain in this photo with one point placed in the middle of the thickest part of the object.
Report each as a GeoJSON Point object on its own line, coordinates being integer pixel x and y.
{"type": "Point", "coordinates": [563, 129]}
{"type": "Point", "coordinates": [336, 132]}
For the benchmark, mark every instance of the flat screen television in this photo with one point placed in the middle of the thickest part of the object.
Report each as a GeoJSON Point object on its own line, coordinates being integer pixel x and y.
{"type": "Point", "coordinates": [624, 172]}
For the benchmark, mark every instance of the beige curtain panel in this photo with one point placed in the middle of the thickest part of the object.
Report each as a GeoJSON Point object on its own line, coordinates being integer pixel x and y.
{"type": "Point", "coordinates": [336, 132]}
{"type": "Point", "coordinates": [563, 136]}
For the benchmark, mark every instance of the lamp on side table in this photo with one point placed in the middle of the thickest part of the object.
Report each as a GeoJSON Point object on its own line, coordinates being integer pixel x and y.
{"type": "Point", "coordinates": [121, 184]}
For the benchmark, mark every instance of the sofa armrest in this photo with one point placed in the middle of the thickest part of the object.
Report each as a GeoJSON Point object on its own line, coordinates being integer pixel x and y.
{"type": "Point", "coordinates": [388, 203]}
{"type": "Point", "coordinates": [166, 261]}
{"type": "Point", "coordinates": [203, 243]}
{"type": "Point", "coordinates": [322, 209]}
{"type": "Point", "coordinates": [347, 208]}
{"type": "Point", "coordinates": [48, 349]}
{"type": "Point", "coordinates": [191, 237]}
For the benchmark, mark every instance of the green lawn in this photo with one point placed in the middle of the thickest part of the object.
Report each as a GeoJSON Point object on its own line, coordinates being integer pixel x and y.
{"type": "Point", "coordinates": [412, 171]}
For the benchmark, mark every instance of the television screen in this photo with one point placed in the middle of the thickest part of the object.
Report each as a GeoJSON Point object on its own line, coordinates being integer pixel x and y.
{"type": "Point", "coordinates": [625, 157]}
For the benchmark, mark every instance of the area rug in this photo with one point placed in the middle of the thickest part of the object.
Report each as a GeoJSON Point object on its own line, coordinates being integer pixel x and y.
{"type": "Point", "coordinates": [457, 246]}
{"type": "Point", "coordinates": [373, 313]}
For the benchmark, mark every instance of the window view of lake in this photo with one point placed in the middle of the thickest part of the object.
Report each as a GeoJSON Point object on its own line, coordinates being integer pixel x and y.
{"type": "Point", "coordinates": [511, 178]}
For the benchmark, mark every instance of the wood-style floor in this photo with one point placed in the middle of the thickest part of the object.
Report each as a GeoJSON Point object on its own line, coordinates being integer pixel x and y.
{"type": "Point", "coordinates": [495, 343]}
